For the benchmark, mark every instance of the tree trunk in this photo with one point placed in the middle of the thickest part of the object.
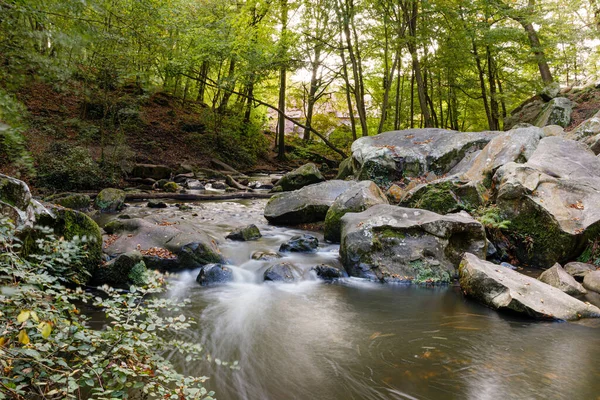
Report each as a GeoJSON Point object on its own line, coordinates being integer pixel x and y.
{"type": "Point", "coordinates": [495, 113]}
{"type": "Point", "coordinates": [481, 75]}
{"type": "Point", "coordinates": [314, 85]}
{"type": "Point", "coordinates": [229, 85]}
{"type": "Point", "coordinates": [538, 52]}
{"type": "Point", "coordinates": [282, 82]}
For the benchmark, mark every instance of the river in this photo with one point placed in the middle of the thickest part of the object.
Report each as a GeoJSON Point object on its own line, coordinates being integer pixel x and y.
{"type": "Point", "coordinates": [354, 339]}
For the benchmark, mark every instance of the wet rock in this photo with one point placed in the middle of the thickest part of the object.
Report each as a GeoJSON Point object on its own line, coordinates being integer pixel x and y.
{"type": "Point", "coordinates": [246, 233]}
{"type": "Point", "coordinates": [125, 269]}
{"type": "Point", "coordinates": [219, 185]}
{"type": "Point", "coordinates": [309, 204]}
{"type": "Point", "coordinates": [328, 272]}
{"type": "Point", "coordinates": [356, 199]}
{"type": "Point", "coordinates": [300, 244]}
{"type": "Point", "coordinates": [591, 281]}
{"type": "Point", "coordinates": [265, 255]}
{"type": "Point", "coordinates": [389, 243]}
{"type": "Point", "coordinates": [560, 279]}
{"type": "Point", "coordinates": [579, 270]}
{"type": "Point", "coordinates": [156, 172]}
{"type": "Point", "coordinates": [170, 187]}
{"type": "Point", "coordinates": [194, 184]}
{"type": "Point", "coordinates": [156, 204]}
{"type": "Point", "coordinates": [300, 177]}
{"type": "Point", "coordinates": [110, 200]}
{"type": "Point", "coordinates": [552, 201]}
{"type": "Point", "coordinates": [196, 254]}
{"type": "Point", "coordinates": [282, 272]}
{"type": "Point", "coordinates": [385, 157]}
{"type": "Point", "coordinates": [214, 274]}
{"type": "Point", "coordinates": [557, 112]}
{"type": "Point", "coordinates": [506, 290]}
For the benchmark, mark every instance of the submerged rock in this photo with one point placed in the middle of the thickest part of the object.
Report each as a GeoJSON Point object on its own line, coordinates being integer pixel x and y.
{"type": "Point", "coordinates": [415, 152]}
{"type": "Point", "coordinates": [356, 199]}
{"type": "Point", "coordinates": [300, 177]}
{"type": "Point", "coordinates": [282, 272]}
{"type": "Point", "coordinates": [214, 274]}
{"type": "Point", "coordinates": [156, 204]}
{"type": "Point", "coordinates": [110, 200]}
{"type": "Point", "coordinates": [309, 204]}
{"type": "Point", "coordinates": [265, 255]}
{"type": "Point", "coordinates": [506, 290]}
{"type": "Point", "coordinates": [551, 201]}
{"type": "Point", "coordinates": [246, 233]}
{"type": "Point", "coordinates": [389, 243]}
{"type": "Point", "coordinates": [560, 279]}
{"type": "Point", "coordinates": [300, 244]}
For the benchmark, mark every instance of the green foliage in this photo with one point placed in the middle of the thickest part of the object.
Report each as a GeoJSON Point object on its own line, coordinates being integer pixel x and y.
{"type": "Point", "coordinates": [13, 150]}
{"type": "Point", "coordinates": [48, 349]}
{"type": "Point", "coordinates": [591, 254]}
{"type": "Point", "coordinates": [491, 218]}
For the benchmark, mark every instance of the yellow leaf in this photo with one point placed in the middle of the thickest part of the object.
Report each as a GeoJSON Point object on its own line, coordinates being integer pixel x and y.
{"type": "Point", "coordinates": [2, 341]}
{"type": "Point", "coordinates": [23, 338]}
{"type": "Point", "coordinates": [23, 316]}
{"type": "Point", "coordinates": [34, 316]}
{"type": "Point", "coordinates": [45, 328]}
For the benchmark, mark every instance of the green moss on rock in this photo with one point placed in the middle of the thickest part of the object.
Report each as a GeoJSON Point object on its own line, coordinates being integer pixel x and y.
{"type": "Point", "coordinates": [110, 200]}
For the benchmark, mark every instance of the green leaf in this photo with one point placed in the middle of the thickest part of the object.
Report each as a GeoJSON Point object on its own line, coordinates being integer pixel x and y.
{"type": "Point", "coordinates": [23, 316]}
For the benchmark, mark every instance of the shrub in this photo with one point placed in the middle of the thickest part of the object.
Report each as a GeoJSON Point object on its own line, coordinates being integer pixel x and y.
{"type": "Point", "coordinates": [48, 350]}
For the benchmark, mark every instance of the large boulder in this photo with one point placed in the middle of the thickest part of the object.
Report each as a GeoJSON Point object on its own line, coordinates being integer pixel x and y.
{"type": "Point", "coordinates": [551, 201]}
{"type": "Point", "coordinates": [363, 195]}
{"type": "Point", "coordinates": [445, 195]}
{"type": "Point", "coordinates": [415, 152]}
{"type": "Point", "coordinates": [156, 172]}
{"type": "Point", "coordinates": [591, 281]}
{"type": "Point", "coordinates": [16, 202]}
{"type": "Point", "coordinates": [300, 177]}
{"type": "Point", "coordinates": [283, 272]}
{"type": "Point", "coordinates": [214, 274]}
{"type": "Point", "coordinates": [389, 243]}
{"type": "Point", "coordinates": [309, 204]}
{"type": "Point", "coordinates": [557, 112]}
{"type": "Point", "coordinates": [166, 244]}
{"type": "Point", "coordinates": [560, 279]}
{"type": "Point", "coordinates": [110, 200]}
{"type": "Point", "coordinates": [506, 290]}
{"type": "Point", "coordinates": [328, 272]}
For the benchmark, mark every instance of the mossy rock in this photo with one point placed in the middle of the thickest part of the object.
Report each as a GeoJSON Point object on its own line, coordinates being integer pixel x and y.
{"type": "Point", "coordinates": [128, 268]}
{"type": "Point", "coordinates": [345, 169]}
{"type": "Point", "coordinates": [170, 187]}
{"type": "Point", "coordinates": [14, 192]}
{"type": "Point", "coordinates": [70, 224]}
{"type": "Point", "coordinates": [300, 177]}
{"type": "Point", "coordinates": [246, 233]}
{"type": "Point", "coordinates": [110, 200]}
{"type": "Point", "coordinates": [75, 201]}
{"type": "Point", "coordinates": [445, 196]}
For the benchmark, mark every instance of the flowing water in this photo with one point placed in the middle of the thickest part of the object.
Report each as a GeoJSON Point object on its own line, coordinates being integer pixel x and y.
{"type": "Point", "coordinates": [355, 339]}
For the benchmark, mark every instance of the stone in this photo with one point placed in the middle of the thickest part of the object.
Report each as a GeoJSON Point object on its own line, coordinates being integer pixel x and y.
{"type": "Point", "coordinates": [300, 177]}
{"type": "Point", "coordinates": [156, 204]}
{"type": "Point", "coordinates": [283, 272]}
{"type": "Point", "coordinates": [445, 196]}
{"type": "Point", "coordinates": [588, 128]}
{"type": "Point", "coordinates": [553, 130]}
{"type": "Point", "coordinates": [214, 274]}
{"type": "Point", "coordinates": [506, 290]}
{"type": "Point", "coordinates": [16, 202]}
{"type": "Point", "coordinates": [559, 278]}
{"type": "Point", "coordinates": [346, 169]}
{"type": "Point", "coordinates": [579, 270]}
{"type": "Point", "coordinates": [551, 91]}
{"type": "Point", "coordinates": [265, 255]}
{"type": "Point", "coordinates": [328, 272]}
{"type": "Point", "coordinates": [170, 187]}
{"type": "Point", "coordinates": [527, 112]}
{"type": "Point", "coordinates": [194, 184]}
{"type": "Point", "coordinates": [395, 194]}
{"type": "Point", "coordinates": [551, 200]}
{"type": "Point", "coordinates": [156, 172]}
{"type": "Point", "coordinates": [125, 269]}
{"type": "Point", "coordinates": [358, 198]}
{"type": "Point", "coordinates": [557, 112]}
{"type": "Point", "coordinates": [395, 244]}
{"type": "Point", "coordinates": [74, 201]}
{"type": "Point", "coordinates": [309, 204]}
{"type": "Point", "coordinates": [110, 200]}
{"type": "Point", "coordinates": [591, 281]}
{"type": "Point", "coordinates": [245, 233]}
{"type": "Point", "coordinates": [300, 244]}
{"type": "Point", "coordinates": [391, 155]}
{"type": "Point", "coordinates": [594, 143]}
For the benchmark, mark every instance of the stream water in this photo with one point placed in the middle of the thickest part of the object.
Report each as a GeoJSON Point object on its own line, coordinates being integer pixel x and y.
{"type": "Point", "coordinates": [360, 340]}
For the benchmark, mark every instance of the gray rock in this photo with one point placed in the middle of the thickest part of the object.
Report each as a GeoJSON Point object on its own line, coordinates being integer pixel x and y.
{"type": "Point", "coordinates": [560, 279]}
{"type": "Point", "coordinates": [557, 112]}
{"type": "Point", "coordinates": [156, 204]}
{"type": "Point", "coordinates": [300, 244]}
{"type": "Point", "coordinates": [309, 204]}
{"type": "Point", "coordinates": [110, 200]}
{"type": "Point", "coordinates": [591, 281]}
{"type": "Point", "coordinates": [356, 199]}
{"type": "Point", "coordinates": [389, 243]}
{"type": "Point", "coordinates": [328, 272]}
{"type": "Point", "coordinates": [346, 169]}
{"type": "Point", "coordinates": [246, 233]}
{"type": "Point", "coordinates": [550, 91]}
{"type": "Point", "coordinates": [300, 177]}
{"type": "Point", "coordinates": [194, 184]}
{"type": "Point", "coordinates": [282, 272]}
{"type": "Point", "coordinates": [415, 152]}
{"type": "Point", "coordinates": [579, 270]}
{"type": "Point", "coordinates": [525, 113]}
{"type": "Point", "coordinates": [214, 274]}
{"type": "Point", "coordinates": [551, 200]}
{"type": "Point", "coordinates": [594, 143]}
{"type": "Point", "coordinates": [554, 130]}
{"type": "Point", "coordinates": [123, 270]}
{"type": "Point", "coordinates": [506, 290]}
{"type": "Point", "coordinates": [16, 202]}
{"type": "Point", "coordinates": [265, 255]}
{"type": "Point", "coordinates": [588, 128]}
{"type": "Point", "coordinates": [445, 195]}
